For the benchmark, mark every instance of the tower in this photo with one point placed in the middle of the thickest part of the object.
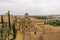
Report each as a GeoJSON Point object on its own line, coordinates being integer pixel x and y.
{"type": "Point", "coordinates": [27, 18]}
{"type": "Point", "coordinates": [27, 21]}
{"type": "Point", "coordinates": [26, 27]}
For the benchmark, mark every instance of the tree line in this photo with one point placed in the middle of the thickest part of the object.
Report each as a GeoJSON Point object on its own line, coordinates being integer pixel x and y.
{"type": "Point", "coordinates": [40, 17]}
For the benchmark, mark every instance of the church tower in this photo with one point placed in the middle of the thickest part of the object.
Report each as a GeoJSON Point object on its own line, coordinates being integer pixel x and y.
{"type": "Point", "coordinates": [27, 18]}
{"type": "Point", "coordinates": [27, 21]}
{"type": "Point", "coordinates": [26, 27]}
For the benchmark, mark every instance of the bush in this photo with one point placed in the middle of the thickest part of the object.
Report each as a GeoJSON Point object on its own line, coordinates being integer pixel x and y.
{"type": "Point", "coordinates": [55, 22]}
{"type": "Point", "coordinates": [11, 39]}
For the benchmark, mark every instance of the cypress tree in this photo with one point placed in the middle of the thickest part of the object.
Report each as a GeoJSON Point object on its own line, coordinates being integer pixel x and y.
{"type": "Point", "coordinates": [14, 30]}
{"type": "Point", "coordinates": [2, 25]}
{"type": "Point", "coordinates": [9, 20]}
{"type": "Point", "coordinates": [2, 20]}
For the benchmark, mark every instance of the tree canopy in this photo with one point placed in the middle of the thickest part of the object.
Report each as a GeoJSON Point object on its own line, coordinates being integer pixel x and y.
{"type": "Point", "coordinates": [55, 22]}
{"type": "Point", "coordinates": [40, 17]}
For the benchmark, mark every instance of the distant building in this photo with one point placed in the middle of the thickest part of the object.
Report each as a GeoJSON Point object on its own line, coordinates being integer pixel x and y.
{"type": "Point", "coordinates": [27, 28]}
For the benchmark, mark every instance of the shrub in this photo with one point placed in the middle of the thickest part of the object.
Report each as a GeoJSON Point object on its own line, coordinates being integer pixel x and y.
{"type": "Point", "coordinates": [55, 22]}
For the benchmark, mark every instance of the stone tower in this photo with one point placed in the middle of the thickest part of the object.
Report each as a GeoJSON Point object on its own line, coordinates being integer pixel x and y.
{"type": "Point", "coordinates": [27, 18]}
{"type": "Point", "coordinates": [26, 27]}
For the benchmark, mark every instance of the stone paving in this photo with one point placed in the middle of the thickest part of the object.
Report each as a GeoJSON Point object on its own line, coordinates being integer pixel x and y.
{"type": "Point", "coordinates": [19, 36]}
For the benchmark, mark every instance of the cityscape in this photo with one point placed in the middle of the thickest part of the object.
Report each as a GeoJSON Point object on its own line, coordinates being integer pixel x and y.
{"type": "Point", "coordinates": [27, 27]}
{"type": "Point", "coordinates": [29, 19]}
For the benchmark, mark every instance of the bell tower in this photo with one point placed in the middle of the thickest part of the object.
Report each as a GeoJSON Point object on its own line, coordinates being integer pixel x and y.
{"type": "Point", "coordinates": [26, 15]}
{"type": "Point", "coordinates": [26, 27]}
{"type": "Point", "coordinates": [27, 21]}
{"type": "Point", "coordinates": [27, 18]}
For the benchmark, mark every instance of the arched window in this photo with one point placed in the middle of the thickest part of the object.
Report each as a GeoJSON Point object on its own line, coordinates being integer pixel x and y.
{"type": "Point", "coordinates": [26, 26]}
{"type": "Point", "coordinates": [34, 32]}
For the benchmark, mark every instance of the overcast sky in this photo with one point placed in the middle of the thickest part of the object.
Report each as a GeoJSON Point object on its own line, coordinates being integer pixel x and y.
{"type": "Point", "coordinates": [33, 7]}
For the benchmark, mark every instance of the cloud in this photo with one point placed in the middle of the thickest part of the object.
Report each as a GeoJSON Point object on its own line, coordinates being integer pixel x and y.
{"type": "Point", "coordinates": [33, 7]}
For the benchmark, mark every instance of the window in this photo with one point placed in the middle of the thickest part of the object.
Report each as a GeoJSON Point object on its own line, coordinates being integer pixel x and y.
{"type": "Point", "coordinates": [34, 32]}
{"type": "Point", "coordinates": [26, 26]}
